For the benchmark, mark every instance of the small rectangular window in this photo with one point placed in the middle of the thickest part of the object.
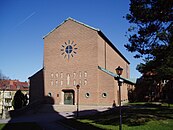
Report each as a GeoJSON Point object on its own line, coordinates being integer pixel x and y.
{"type": "Point", "coordinates": [68, 79]}
{"type": "Point", "coordinates": [80, 74]}
{"type": "Point", "coordinates": [51, 82]}
{"type": "Point", "coordinates": [51, 75]}
{"type": "Point", "coordinates": [85, 74]}
{"type": "Point", "coordinates": [80, 82]}
{"type": "Point", "coordinates": [61, 82]}
{"type": "Point", "coordinates": [61, 75]}
{"type": "Point", "coordinates": [74, 83]}
{"type": "Point", "coordinates": [56, 82]}
{"type": "Point", "coordinates": [56, 75]}
{"type": "Point", "coordinates": [85, 82]}
{"type": "Point", "coordinates": [74, 75]}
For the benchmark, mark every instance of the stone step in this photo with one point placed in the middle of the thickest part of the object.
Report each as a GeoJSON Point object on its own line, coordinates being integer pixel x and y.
{"type": "Point", "coordinates": [70, 108]}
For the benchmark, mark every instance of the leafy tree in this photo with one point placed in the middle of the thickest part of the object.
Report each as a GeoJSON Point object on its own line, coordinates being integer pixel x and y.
{"type": "Point", "coordinates": [151, 37]}
{"type": "Point", "coordinates": [18, 100]}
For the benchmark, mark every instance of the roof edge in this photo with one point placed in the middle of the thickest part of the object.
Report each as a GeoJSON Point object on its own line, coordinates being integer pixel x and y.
{"type": "Point", "coordinates": [116, 76]}
{"type": "Point", "coordinates": [54, 29]}
{"type": "Point", "coordinates": [86, 25]}
{"type": "Point", "coordinates": [36, 73]}
{"type": "Point", "coordinates": [110, 43]}
{"type": "Point", "coordinates": [69, 18]}
{"type": "Point", "coordinates": [95, 29]}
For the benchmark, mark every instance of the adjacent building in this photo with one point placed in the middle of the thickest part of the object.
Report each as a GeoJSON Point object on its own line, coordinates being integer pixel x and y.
{"type": "Point", "coordinates": [8, 89]}
{"type": "Point", "coordinates": [77, 54]}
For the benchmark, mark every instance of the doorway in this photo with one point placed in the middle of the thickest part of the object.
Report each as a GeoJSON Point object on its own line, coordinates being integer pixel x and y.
{"type": "Point", "coordinates": [68, 97]}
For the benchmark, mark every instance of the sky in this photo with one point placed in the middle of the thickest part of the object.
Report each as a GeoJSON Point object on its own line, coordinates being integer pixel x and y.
{"type": "Point", "coordinates": [24, 23]}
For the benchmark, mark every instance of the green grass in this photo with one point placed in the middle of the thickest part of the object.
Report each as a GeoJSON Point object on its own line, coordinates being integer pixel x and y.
{"type": "Point", "coordinates": [151, 125]}
{"type": "Point", "coordinates": [1, 126]}
{"type": "Point", "coordinates": [20, 126]}
{"type": "Point", "coordinates": [140, 116]}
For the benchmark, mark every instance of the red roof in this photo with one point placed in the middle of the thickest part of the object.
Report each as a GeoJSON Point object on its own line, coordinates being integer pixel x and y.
{"type": "Point", "coordinates": [14, 85]}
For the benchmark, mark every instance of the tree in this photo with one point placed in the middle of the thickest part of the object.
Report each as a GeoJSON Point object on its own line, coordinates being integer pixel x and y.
{"type": "Point", "coordinates": [18, 100]}
{"type": "Point", "coordinates": [3, 77]}
{"type": "Point", "coordinates": [151, 37]}
{"type": "Point", "coordinates": [153, 26]}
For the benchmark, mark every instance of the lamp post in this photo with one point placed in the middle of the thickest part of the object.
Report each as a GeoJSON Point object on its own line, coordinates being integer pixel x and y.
{"type": "Point", "coordinates": [119, 72]}
{"type": "Point", "coordinates": [77, 100]}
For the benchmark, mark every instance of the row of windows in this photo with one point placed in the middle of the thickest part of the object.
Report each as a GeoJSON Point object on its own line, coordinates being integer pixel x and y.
{"type": "Point", "coordinates": [87, 95]}
{"type": "Point", "coordinates": [104, 95]}
{"type": "Point", "coordinates": [74, 75]}
{"type": "Point", "coordinates": [61, 83]}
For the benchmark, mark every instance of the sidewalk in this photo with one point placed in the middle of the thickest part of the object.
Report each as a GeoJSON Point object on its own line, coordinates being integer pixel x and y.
{"type": "Point", "coordinates": [50, 120]}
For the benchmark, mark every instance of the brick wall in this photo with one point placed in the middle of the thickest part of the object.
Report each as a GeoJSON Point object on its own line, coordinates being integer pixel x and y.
{"type": "Point", "coordinates": [109, 59]}
{"type": "Point", "coordinates": [63, 72]}
{"type": "Point", "coordinates": [36, 89]}
{"type": "Point", "coordinates": [85, 60]}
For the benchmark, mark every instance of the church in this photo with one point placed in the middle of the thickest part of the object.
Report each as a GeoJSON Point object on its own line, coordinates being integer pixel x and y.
{"type": "Point", "coordinates": [76, 54]}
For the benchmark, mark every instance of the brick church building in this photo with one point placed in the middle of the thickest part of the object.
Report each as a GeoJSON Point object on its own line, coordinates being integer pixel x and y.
{"type": "Point", "coordinates": [77, 54]}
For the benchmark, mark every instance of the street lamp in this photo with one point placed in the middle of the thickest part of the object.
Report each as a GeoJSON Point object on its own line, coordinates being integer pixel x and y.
{"type": "Point", "coordinates": [77, 100]}
{"type": "Point", "coordinates": [119, 72]}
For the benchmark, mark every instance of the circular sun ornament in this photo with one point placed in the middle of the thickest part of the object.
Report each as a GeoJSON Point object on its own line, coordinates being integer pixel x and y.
{"type": "Point", "coordinates": [69, 49]}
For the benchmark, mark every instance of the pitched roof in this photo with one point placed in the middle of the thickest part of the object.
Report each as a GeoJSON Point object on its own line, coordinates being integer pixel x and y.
{"type": "Point", "coordinates": [38, 72]}
{"type": "Point", "coordinates": [95, 29]}
{"type": "Point", "coordinates": [13, 85]}
{"type": "Point", "coordinates": [71, 20]}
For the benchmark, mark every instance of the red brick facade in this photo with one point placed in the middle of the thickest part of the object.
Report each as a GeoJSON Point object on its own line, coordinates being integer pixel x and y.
{"type": "Point", "coordinates": [72, 53]}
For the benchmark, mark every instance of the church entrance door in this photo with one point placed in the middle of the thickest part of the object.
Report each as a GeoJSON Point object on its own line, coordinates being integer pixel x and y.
{"type": "Point", "coordinates": [68, 97]}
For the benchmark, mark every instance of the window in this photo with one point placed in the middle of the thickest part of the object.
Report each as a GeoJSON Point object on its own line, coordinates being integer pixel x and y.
{"type": "Point", "coordinates": [68, 49]}
{"type": "Point", "coordinates": [51, 83]}
{"type": "Point", "coordinates": [8, 87]}
{"type": "Point", "coordinates": [56, 82]}
{"type": "Point", "coordinates": [74, 75]}
{"type": "Point", "coordinates": [74, 82]}
{"type": "Point", "coordinates": [7, 94]}
{"type": "Point", "coordinates": [51, 75]}
{"type": "Point", "coordinates": [61, 82]}
{"type": "Point", "coordinates": [80, 82]}
{"type": "Point", "coordinates": [87, 95]}
{"type": "Point", "coordinates": [61, 75]}
{"type": "Point", "coordinates": [85, 82]}
{"type": "Point", "coordinates": [68, 79]}
{"type": "Point", "coordinates": [104, 95]}
{"type": "Point", "coordinates": [18, 87]}
{"type": "Point", "coordinates": [85, 74]}
{"type": "Point", "coordinates": [80, 74]}
{"type": "Point", "coordinates": [56, 75]}
{"type": "Point", "coordinates": [49, 94]}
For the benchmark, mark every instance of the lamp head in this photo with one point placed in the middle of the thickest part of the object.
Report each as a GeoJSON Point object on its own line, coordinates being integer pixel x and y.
{"type": "Point", "coordinates": [77, 86]}
{"type": "Point", "coordinates": [119, 70]}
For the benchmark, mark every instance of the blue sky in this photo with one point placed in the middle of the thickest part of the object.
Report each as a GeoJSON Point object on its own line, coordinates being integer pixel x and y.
{"type": "Point", "coordinates": [24, 23]}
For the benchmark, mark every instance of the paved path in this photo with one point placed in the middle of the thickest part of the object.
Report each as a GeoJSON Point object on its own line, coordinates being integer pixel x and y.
{"type": "Point", "coordinates": [49, 120]}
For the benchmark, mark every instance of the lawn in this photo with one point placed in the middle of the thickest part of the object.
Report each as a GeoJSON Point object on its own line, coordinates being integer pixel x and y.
{"type": "Point", "coordinates": [20, 126]}
{"type": "Point", "coordinates": [142, 116]}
